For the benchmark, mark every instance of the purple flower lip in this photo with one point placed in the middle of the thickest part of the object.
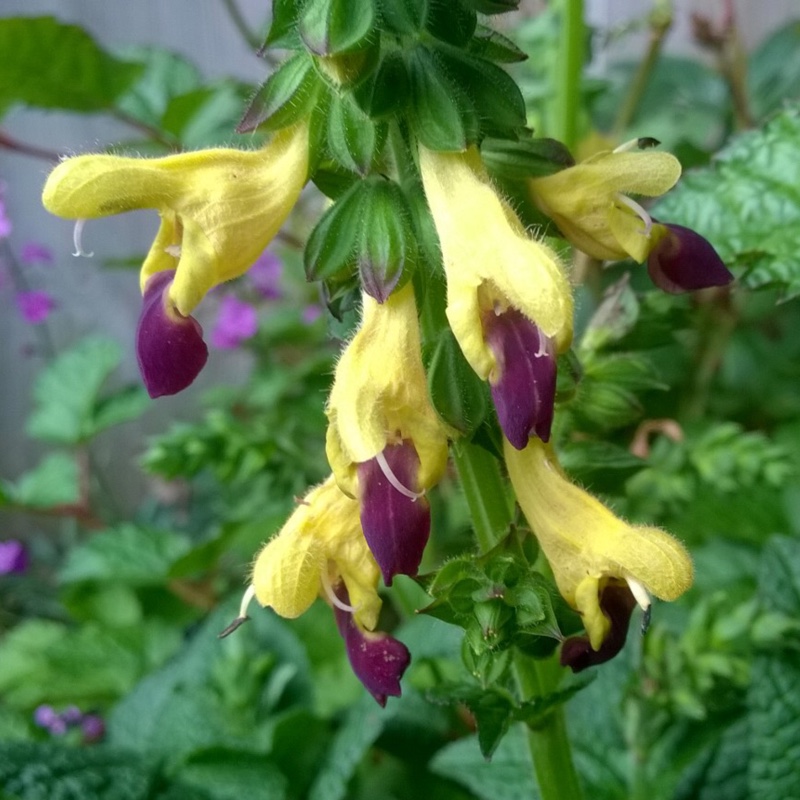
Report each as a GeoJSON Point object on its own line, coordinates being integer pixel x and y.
{"type": "Point", "coordinates": [236, 322]}
{"type": "Point", "coordinates": [684, 261]}
{"type": "Point", "coordinates": [169, 348]}
{"type": "Point", "coordinates": [13, 557]}
{"type": "Point", "coordinates": [395, 519]}
{"type": "Point", "coordinates": [617, 602]}
{"type": "Point", "coordinates": [377, 659]}
{"type": "Point", "coordinates": [524, 390]}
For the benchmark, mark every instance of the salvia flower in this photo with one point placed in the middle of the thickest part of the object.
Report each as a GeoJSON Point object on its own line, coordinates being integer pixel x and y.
{"type": "Point", "coordinates": [236, 322]}
{"type": "Point", "coordinates": [591, 206]}
{"type": "Point", "coordinates": [219, 208]}
{"type": "Point", "coordinates": [35, 306]}
{"type": "Point", "coordinates": [681, 260]}
{"type": "Point", "coordinates": [13, 557]}
{"type": "Point", "coordinates": [509, 303]}
{"type": "Point", "coordinates": [385, 443]}
{"type": "Point", "coordinates": [321, 551]}
{"type": "Point", "coordinates": [590, 549]}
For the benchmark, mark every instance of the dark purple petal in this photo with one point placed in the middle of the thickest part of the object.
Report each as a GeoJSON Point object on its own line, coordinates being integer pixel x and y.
{"type": "Point", "coordinates": [524, 392]}
{"type": "Point", "coordinates": [169, 347]}
{"type": "Point", "coordinates": [683, 261]}
{"type": "Point", "coordinates": [617, 604]}
{"type": "Point", "coordinates": [395, 526]}
{"type": "Point", "coordinates": [236, 322]}
{"type": "Point", "coordinates": [377, 659]}
{"type": "Point", "coordinates": [35, 306]}
{"type": "Point", "coordinates": [13, 557]}
{"type": "Point", "coordinates": [93, 728]}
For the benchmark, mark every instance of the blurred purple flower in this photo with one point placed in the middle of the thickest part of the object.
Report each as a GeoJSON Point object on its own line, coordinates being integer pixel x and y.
{"type": "Point", "coordinates": [5, 223]}
{"type": "Point", "coordinates": [13, 557]}
{"type": "Point", "coordinates": [236, 321]}
{"type": "Point", "coordinates": [265, 275]}
{"type": "Point", "coordinates": [44, 716]}
{"type": "Point", "coordinates": [311, 313]}
{"type": "Point", "coordinates": [35, 253]}
{"type": "Point", "coordinates": [35, 306]}
{"type": "Point", "coordinates": [93, 728]}
{"type": "Point", "coordinates": [72, 715]}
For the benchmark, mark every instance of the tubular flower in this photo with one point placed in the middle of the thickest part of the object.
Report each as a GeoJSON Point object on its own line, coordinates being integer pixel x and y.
{"type": "Point", "coordinates": [590, 205]}
{"type": "Point", "coordinates": [219, 209]}
{"type": "Point", "coordinates": [591, 550]}
{"type": "Point", "coordinates": [509, 303]}
{"type": "Point", "coordinates": [385, 443]}
{"type": "Point", "coordinates": [321, 551]}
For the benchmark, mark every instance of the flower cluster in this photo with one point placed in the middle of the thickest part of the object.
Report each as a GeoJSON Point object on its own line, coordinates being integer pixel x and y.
{"type": "Point", "coordinates": [509, 307]}
{"type": "Point", "coordinates": [57, 723]}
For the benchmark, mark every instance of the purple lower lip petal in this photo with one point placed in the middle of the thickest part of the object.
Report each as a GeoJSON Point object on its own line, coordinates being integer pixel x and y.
{"type": "Point", "coordinates": [169, 347]}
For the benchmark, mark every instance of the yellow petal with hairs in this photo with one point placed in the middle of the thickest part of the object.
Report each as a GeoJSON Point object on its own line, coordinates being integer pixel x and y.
{"type": "Point", "coordinates": [219, 208]}
{"type": "Point", "coordinates": [586, 544]}
{"type": "Point", "coordinates": [320, 542]}
{"type": "Point", "coordinates": [584, 200]}
{"type": "Point", "coordinates": [380, 394]}
{"type": "Point", "coordinates": [489, 260]}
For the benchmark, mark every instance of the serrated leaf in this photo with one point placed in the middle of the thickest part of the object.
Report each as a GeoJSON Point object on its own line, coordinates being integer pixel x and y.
{"type": "Point", "coordinates": [32, 771]}
{"type": "Point", "coordinates": [52, 65]}
{"type": "Point", "coordinates": [66, 391]}
{"type": "Point", "coordinates": [127, 554]}
{"type": "Point", "coordinates": [747, 204]}
{"type": "Point", "coordinates": [53, 482]}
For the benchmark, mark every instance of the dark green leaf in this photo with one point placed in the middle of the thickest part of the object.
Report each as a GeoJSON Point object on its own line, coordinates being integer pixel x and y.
{"type": "Point", "coordinates": [492, 45]}
{"type": "Point", "coordinates": [49, 64]}
{"type": "Point", "coordinates": [285, 96]}
{"type": "Point", "coordinates": [283, 29]}
{"type": "Point", "coordinates": [352, 136]}
{"type": "Point", "coordinates": [453, 22]}
{"type": "Point", "coordinates": [493, 6]}
{"type": "Point", "coordinates": [747, 204]}
{"type": "Point", "coordinates": [524, 158]}
{"type": "Point", "coordinates": [232, 775]}
{"type": "Point", "coordinates": [207, 116]}
{"type": "Point", "coordinates": [599, 466]}
{"type": "Point", "coordinates": [387, 88]}
{"type": "Point", "coordinates": [403, 17]}
{"type": "Point", "coordinates": [121, 406]}
{"type": "Point", "coordinates": [329, 27]}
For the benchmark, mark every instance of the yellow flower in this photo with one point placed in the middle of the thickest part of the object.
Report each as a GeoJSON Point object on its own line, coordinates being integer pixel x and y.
{"type": "Point", "coordinates": [587, 546]}
{"type": "Point", "coordinates": [491, 264]}
{"type": "Point", "coordinates": [590, 206]}
{"type": "Point", "coordinates": [320, 544]}
{"type": "Point", "coordinates": [219, 208]}
{"type": "Point", "coordinates": [380, 395]}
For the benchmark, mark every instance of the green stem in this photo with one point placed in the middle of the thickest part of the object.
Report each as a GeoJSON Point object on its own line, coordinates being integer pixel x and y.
{"type": "Point", "coordinates": [569, 65]}
{"type": "Point", "coordinates": [488, 501]}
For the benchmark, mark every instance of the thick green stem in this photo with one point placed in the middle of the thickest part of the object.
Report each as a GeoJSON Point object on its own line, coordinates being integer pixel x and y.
{"type": "Point", "coordinates": [488, 501]}
{"type": "Point", "coordinates": [569, 66]}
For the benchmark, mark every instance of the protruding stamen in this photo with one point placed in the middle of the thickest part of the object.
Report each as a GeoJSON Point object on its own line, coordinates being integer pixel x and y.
{"type": "Point", "coordinates": [247, 598]}
{"type": "Point", "coordinates": [646, 619]}
{"type": "Point", "coordinates": [235, 625]}
{"type": "Point", "coordinates": [173, 250]}
{"type": "Point", "coordinates": [542, 351]}
{"type": "Point", "coordinates": [639, 211]}
{"type": "Point", "coordinates": [640, 594]}
{"type": "Point", "coordinates": [626, 147]}
{"type": "Point", "coordinates": [642, 143]}
{"type": "Point", "coordinates": [242, 618]}
{"type": "Point", "coordinates": [392, 478]}
{"type": "Point", "coordinates": [77, 233]}
{"type": "Point", "coordinates": [331, 594]}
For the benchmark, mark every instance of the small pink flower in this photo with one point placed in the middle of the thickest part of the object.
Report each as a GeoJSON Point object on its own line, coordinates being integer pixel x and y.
{"type": "Point", "coordinates": [35, 306]}
{"type": "Point", "coordinates": [13, 557]}
{"type": "Point", "coordinates": [265, 275]}
{"type": "Point", "coordinates": [35, 253]}
{"type": "Point", "coordinates": [236, 322]}
{"type": "Point", "coordinates": [5, 223]}
{"type": "Point", "coordinates": [311, 313]}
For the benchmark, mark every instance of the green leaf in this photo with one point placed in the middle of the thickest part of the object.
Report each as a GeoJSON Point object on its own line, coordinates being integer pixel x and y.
{"type": "Point", "coordinates": [599, 466]}
{"type": "Point", "coordinates": [53, 482]}
{"type": "Point", "coordinates": [34, 771]}
{"type": "Point", "coordinates": [387, 88]}
{"type": "Point", "coordinates": [508, 776]}
{"type": "Point", "coordinates": [453, 22]}
{"type": "Point", "coordinates": [510, 159]}
{"type": "Point", "coordinates": [127, 554]}
{"type": "Point", "coordinates": [121, 406]}
{"type": "Point", "coordinates": [492, 45]}
{"type": "Point", "coordinates": [747, 204]}
{"type": "Point", "coordinates": [328, 27]}
{"type": "Point", "coordinates": [458, 395]}
{"type": "Point", "coordinates": [232, 775]}
{"type": "Point", "coordinates": [403, 17]}
{"type": "Point", "coordinates": [283, 29]}
{"type": "Point", "coordinates": [66, 392]}
{"type": "Point", "coordinates": [52, 65]}
{"type": "Point", "coordinates": [284, 97]}
{"type": "Point", "coordinates": [773, 71]}
{"type": "Point", "coordinates": [165, 75]}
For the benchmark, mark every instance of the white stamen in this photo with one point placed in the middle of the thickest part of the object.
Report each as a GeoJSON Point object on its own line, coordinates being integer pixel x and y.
{"type": "Point", "coordinates": [331, 595]}
{"type": "Point", "coordinates": [173, 250]}
{"type": "Point", "coordinates": [392, 478]}
{"type": "Point", "coordinates": [639, 211]}
{"type": "Point", "coordinates": [77, 232]}
{"type": "Point", "coordinates": [542, 351]}
{"type": "Point", "coordinates": [640, 594]}
{"type": "Point", "coordinates": [626, 147]}
{"type": "Point", "coordinates": [249, 594]}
